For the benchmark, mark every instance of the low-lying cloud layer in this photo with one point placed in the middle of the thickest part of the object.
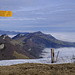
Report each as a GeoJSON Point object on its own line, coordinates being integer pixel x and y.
{"type": "Point", "coordinates": [66, 52]}
{"type": "Point", "coordinates": [64, 36]}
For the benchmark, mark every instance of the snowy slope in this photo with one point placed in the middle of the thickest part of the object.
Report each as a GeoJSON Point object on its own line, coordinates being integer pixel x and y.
{"type": "Point", "coordinates": [19, 61]}
{"type": "Point", "coordinates": [65, 56]}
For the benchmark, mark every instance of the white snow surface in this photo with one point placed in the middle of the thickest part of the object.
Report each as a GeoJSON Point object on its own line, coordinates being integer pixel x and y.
{"type": "Point", "coordinates": [20, 61]}
{"type": "Point", "coordinates": [65, 56]}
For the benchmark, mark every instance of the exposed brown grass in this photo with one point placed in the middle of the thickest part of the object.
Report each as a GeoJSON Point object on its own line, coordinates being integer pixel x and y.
{"type": "Point", "coordinates": [19, 56]}
{"type": "Point", "coordinates": [38, 69]}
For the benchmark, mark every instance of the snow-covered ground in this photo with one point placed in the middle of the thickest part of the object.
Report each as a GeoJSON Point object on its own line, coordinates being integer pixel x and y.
{"type": "Point", "coordinates": [20, 61]}
{"type": "Point", "coordinates": [65, 56]}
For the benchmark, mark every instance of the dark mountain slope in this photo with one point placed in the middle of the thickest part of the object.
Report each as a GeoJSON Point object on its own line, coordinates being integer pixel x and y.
{"type": "Point", "coordinates": [35, 42]}
{"type": "Point", "coordinates": [8, 50]}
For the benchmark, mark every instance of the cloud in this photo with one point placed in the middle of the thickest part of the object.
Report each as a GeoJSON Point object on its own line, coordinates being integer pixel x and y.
{"type": "Point", "coordinates": [21, 19]}
{"type": "Point", "coordinates": [65, 53]}
{"type": "Point", "coordinates": [18, 19]}
{"type": "Point", "coordinates": [41, 14]}
{"type": "Point", "coordinates": [65, 36]}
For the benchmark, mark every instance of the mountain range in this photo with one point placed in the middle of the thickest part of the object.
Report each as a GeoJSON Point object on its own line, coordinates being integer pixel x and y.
{"type": "Point", "coordinates": [35, 42]}
{"type": "Point", "coordinates": [29, 45]}
{"type": "Point", "coordinates": [11, 32]}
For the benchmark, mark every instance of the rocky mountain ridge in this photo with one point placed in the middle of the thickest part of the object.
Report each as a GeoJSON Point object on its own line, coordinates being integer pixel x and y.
{"type": "Point", "coordinates": [8, 50]}
{"type": "Point", "coordinates": [35, 42]}
{"type": "Point", "coordinates": [27, 46]}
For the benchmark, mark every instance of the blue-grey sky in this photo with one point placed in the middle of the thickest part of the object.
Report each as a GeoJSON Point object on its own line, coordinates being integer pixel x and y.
{"type": "Point", "coordinates": [39, 15]}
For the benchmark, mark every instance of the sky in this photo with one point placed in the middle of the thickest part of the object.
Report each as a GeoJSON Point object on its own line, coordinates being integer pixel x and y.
{"type": "Point", "coordinates": [39, 15]}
